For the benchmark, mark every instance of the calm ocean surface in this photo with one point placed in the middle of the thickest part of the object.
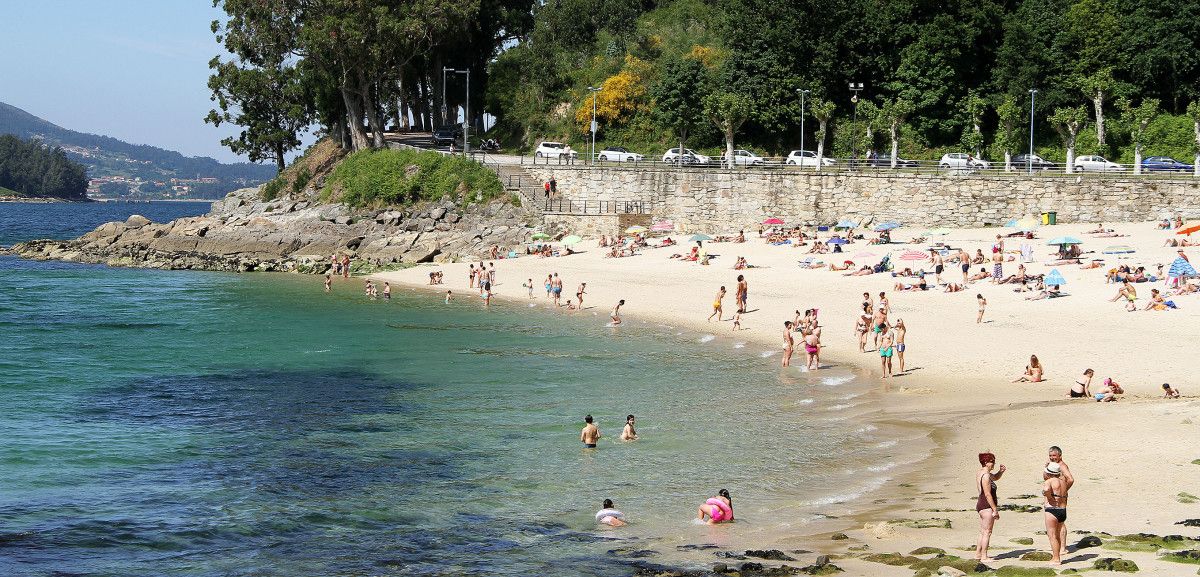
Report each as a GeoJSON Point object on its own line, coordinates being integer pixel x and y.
{"type": "Point", "coordinates": [208, 424]}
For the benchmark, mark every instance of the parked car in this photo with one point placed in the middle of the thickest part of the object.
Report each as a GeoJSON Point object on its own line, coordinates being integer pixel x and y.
{"type": "Point", "coordinates": [1096, 163]}
{"type": "Point", "coordinates": [744, 158]}
{"type": "Point", "coordinates": [962, 161]}
{"type": "Point", "coordinates": [885, 161]}
{"type": "Point", "coordinates": [559, 150]}
{"type": "Point", "coordinates": [689, 156]}
{"type": "Point", "coordinates": [619, 154]}
{"type": "Point", "coordinates": [447, 135]}
{"type": "Point", "coordinates": [806, 158]}
{"type": "Point", "coordinates": [1165, 164]}
{"type": "Point", "coordinates": [1025, 161]}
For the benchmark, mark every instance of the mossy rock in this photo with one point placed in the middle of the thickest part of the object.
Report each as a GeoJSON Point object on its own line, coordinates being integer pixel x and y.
{"type": "Point", "coordinates": [934, 523]}
{"type": "Point", "coordinates": [1186, 498]}
{"type": "Point", "coordinates": [1114, 564]}
{"type": "Point", "coordinates": [924, 573]}
{"type": "Point", "coordinates": [1022, 497]}
{"type": "Point", "coordinates": [1189, 556]}
{"type": "Point", "coordinates": [891, 559]}
{"type": "Point", "coordinates": [939, 561]}
{"type": "Point", "coordinates": [1014, 571]}
{"type": "Point", "coordinates": [1022, 540]}
{"type": "Point", "coordinates": [839, 537]}
{"type": "Point", "coordinates": [1196, 462]}
{"type": "Point", "coordinates": [928, 551]}
{"type": "Point", "coordinates": [1132, 546]}
{"type": "Point", "coordinates": [1037, 556]}
{"type": "Point", "coordinates": [1021, 508]}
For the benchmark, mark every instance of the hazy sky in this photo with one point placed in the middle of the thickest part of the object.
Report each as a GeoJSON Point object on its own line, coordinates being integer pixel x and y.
{"type": "Point", "coordinates": [136, 70]}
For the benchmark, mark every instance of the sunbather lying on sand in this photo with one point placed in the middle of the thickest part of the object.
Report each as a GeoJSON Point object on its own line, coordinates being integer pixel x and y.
{"type": "Point", "coordinates": [982, 274]}
{"type": "Point", "coordinates": [864, 271]}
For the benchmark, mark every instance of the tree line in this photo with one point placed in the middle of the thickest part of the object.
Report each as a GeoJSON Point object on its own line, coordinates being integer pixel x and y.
{"type": "Point", "coordinates": [1110, 76]}
{"type": "Point", "coordinates": [31, 168]}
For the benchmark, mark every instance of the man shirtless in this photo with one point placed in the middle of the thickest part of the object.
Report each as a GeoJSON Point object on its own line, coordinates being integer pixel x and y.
{"type": "Point", "coordinates": [742, 289]}
{"type": "Point", "coordinates": [788, 343]}
{"type": "Point", "coordinates": [879, 324]}
{"type": "Point", "coordinates": [964, 262]}
{"type": "Point", "coordinates": [938, 265]}
{"type": "Point", "coordinates": [590, 434]}
{"type": "Point", "coordinates": [885, 349]}
{"type": "Point", "coordinates": [616, 313]}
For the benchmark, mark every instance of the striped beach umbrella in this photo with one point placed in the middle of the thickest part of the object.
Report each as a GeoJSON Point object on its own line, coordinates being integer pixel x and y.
{"type": "Point", "coordinates": [913, 255]}
{"type": "Point", "coordinates": [635, 229]}
{"type": "Point", "coordinates": [662, 226]}
{"type": "Point", "coordinates": [1054, 278]}
{"type": "Point", "coordinates": [1119, 249]}
{"type": "Point", "coordinates": [1181, 267]}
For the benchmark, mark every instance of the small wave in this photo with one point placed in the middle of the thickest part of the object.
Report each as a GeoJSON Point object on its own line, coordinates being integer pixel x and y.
{"type": "Point", "coordinates": [766, 354]}
{"type": "Point", "coordinates": [320, 351]}
{"type": "Point", "coordinates": [844, 497]}
{"type": "Point", "coordinates": [836, 381]}
{"type": "Point", "coordinates": [886, 444]}
{"type": "Point", "coordinates": [805, 401]}
{"type": "Point", "coordinates": [881, 467]}
{"type": "Point", "coordinates": [840, 407]}
{"type": "Point", "coordinates": [866, 429]}
{"type": "Point", "coordinates": [706, 338]}
{"type": "Point", "coordinates": [739, 345]}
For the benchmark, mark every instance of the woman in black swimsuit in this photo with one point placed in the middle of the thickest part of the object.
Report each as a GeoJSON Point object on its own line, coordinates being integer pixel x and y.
{"type": "Point", "coordinates": [1055, 490]}
{"type": "Point", "coordinates": [1080, 388]}
{"type": "Point", "coordinates": [985, 484]}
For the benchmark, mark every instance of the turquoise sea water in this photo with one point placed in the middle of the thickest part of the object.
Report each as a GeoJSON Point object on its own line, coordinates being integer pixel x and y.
{"type": "Point", "coordinates": [189, 423]}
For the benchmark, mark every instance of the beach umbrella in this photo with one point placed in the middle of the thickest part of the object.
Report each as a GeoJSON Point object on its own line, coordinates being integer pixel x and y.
{"type": "Point", "coordinates": [1028, 224]}
{"type": "Point", "coordinates": [1065, 240]}
{"type": "Point", "coordinates": [1181, 267]}
{"type": "Point", "coordinates": [635, 229]}
{"type": "Point", "coordinates": [1054, 278]}
{"type": "Point", "coordinates": [865, 255]}
{"type": "Point", "coordinates": [1118, 249]}
{"type": "Point", "coordinates": [540, 236]}
{"type": "Point", "coordinates": [913, 255]}
{"type": "Point", "coordinates": [846, 223]}
{"type": "Point", "coordinates": [837, 240]}
{"type": "Point", "coordinates": [700, 237]}
{"type": "Point", "coordinates": [773, 220]}
{"type": "Point", "coordinates": [662, 226]}
{"type": "Point", "coordinates": [887, 226]}
{"type": "Point", "coordinates": [571, 240]}
{"type": "Point", "coordinates": [1189, 230]}
{"type": "Point", "coordinates": [1011, 223]}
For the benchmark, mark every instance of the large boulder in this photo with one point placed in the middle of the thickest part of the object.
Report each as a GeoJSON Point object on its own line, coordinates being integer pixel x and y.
{"type": "Point", "coordinates": [137, 221]}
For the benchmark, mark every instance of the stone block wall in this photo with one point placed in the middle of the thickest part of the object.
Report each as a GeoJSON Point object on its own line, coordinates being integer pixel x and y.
{"type": "Point", "coordinates": [723, 200]}
{"type": "Point", "coordinates": [593, 225]}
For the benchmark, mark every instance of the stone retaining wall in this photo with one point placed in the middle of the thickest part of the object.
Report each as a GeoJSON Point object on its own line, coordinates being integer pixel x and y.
{"type": "Point", "coordinates": [593, 225]}
{"type": "Point", "coordinates": [718, 200]}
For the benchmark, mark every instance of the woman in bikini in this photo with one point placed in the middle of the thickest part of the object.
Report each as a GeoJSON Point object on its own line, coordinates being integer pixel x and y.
{"type": "Point", "coordinates": [1033, 371]}
{"type": "Point", "coordinates": [985, 505]}
{"type": "Point", "coordinates": [1080, 388]}
{"type": "Point", "coordinates": [1055, 491]}
{"type": "Point", "coordinates": [717, 312]}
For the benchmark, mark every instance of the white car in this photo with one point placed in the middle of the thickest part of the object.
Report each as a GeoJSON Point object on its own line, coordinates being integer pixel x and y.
{"type": "Point", "coordinates": [744, 158]}
{"type": "Point", "coordinates": [962, 161]}
{"type": "Point", "coordinates": [559, 150]}
{"type": "Point", "coordinates": [1096, 163]}
{"type": "Point", "coordinates": [689, 156]}
{"type": "Point", "coordinates": [806, 158]}
{"type": "Point", "coordinates": [619, 154]}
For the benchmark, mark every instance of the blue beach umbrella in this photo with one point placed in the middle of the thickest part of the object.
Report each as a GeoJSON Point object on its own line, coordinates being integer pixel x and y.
{"type": "Point", "coordinates": [1054, 278]}
{"type": "Point", "coordinates": [700, 237]}
{"type": "Point", "coordinates": [887, 226]}
{"type": "Point", "coordinates": [1011, 223]}
{"type": "Point", "coordinates": [1065, 240]}
{"type": "Point", "coordinates": [1181, 267]}
{"type": "Point", "coordinates": [1118, 249]}
{"type": "Point", "coordinates": [846, 223]}
{"type": "Point", "coordinates": [837, 240]}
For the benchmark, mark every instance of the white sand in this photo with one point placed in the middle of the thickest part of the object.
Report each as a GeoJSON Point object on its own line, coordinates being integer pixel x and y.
{"type": "Point", "coordinates": [1131, 458]}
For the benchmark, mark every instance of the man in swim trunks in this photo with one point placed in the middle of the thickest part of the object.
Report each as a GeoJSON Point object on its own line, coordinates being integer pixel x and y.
{"type": "Point", "coordinates": [998, 259]}
{"type": "Point", "coordinates": [742, 289]}
{"type": "Point", "coordinates": [788, 343]}
{"type": "Point", "coordinates": [590, 434]}
{"type": "Point", "coordinates": [938, 265]}
{"type": "Point", "coordinates": [885, 349]}
{"type": "Point", "coordinates": [964, 261]}
{"type": "Point", "coordinates": [616, 313]}
{"type": "Point", "coordinates": [1055, 491]}
{"type": "Point", "coordinates": [900, 330]}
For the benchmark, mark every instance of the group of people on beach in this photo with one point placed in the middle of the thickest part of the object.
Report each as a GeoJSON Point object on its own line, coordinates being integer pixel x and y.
{"type": "Point", "coordinates": [1057, 481]}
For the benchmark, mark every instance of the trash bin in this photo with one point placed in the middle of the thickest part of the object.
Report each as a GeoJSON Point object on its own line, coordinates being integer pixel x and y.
{"type": "Point", "coordinates": [1045, 218]}
{"type": "Point", "coordinates": [1052, 216]}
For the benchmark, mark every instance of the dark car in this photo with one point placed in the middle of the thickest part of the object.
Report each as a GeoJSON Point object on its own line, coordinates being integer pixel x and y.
{"type": "Point", "coordinates": [1025, 161]}
{"type": "Point", "coordinates": [447, 135]}
{"type": "Point", "coordinates": [885, 161]}
{"type": "Point", "coordinates": [1165, 164]}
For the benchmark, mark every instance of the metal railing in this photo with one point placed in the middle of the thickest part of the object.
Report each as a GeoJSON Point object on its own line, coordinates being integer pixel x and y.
{"type": "Point", "coordinates": [567, 206]}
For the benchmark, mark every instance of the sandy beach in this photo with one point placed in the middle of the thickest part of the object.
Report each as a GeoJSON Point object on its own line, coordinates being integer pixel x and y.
{"type": "Point", "coordinates": [1132, 459]}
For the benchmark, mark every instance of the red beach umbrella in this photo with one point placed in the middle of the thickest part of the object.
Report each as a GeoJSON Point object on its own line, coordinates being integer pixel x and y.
{"type": "Point", "coordinates": [913, 255]}
{"type": "Point", "coordinates": [1189, 230]}
{"type": "Point", "coordinates": [773, 220]}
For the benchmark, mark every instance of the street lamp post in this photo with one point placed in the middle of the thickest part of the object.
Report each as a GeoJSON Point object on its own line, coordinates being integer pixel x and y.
{"type": "Point", "coordinates": [466, 107]}
{"type": "Point", "coordinates": [855, 87]}
{"type": "Point", "coordinates": [1029, 157]}
{"type": "Point", "coordinates": [444, 107]}
{"type": "Point", "coordinates": [593, 90]}
{"type": "Point", "coordinates": [802, 93]}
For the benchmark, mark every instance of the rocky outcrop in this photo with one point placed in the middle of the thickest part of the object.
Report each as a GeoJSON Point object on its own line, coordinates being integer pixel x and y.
{"type": "Point", "coordinates": [243, 233]}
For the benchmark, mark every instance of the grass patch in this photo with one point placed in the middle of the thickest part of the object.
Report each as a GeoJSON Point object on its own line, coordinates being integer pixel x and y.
{"type": "Point", "coordinates": [270, 191]}
{"type": "Point", "coordinates": [1186, 498]}
{"type": "Point", "coordinates": [1014, 571]}
{"type": "Point", "coordinates": [1196, 462]}
{"type": "Point", "coordinates": [1022, 540]}
{"type": "Point", "coordinates": [935, 523]}
{"type": "Point", "coordinates": [1191, 556]}
{"type": "Point", "coordinates": [399, 177]}
{"type": "Point", "coordinates": [891, 559]}
{"type": "Point", "coordinates": [928, 551]}
{"type": "Point", "coordinates": [9, 192]}
{"type": "Point", "coordinates": [964, 565]}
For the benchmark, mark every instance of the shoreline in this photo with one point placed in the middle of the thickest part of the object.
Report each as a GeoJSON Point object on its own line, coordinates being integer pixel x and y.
{"type": "Point", "coordinates": [959, 389]}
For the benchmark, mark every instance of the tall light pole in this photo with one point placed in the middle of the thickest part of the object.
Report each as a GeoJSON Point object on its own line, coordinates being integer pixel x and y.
{"type": "Point", "coordinates": [1029, 157]}
{"type": "Point", "coordinates": [444, 107]}
{"type": "Point", "coordinates": [855, 87]}
{"type": "Point", "coordinates": [593, 90]}
{"type": "Point", "coordinates": [802, 93]}
{"type": "Point", "coordinates": [466, 107]}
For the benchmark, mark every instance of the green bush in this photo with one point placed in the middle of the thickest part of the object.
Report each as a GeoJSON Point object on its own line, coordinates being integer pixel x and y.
{"type": "Point", "coordinates": [301, 181]}
{"type": "Point", "coordinates": [270, 190]}
{"type": "Point", "coordinates": [398, 177]}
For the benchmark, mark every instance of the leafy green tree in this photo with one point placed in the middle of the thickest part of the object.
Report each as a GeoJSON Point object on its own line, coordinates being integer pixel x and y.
{"type": "Point", "coordinates": [895, 112]}
{"type": "Point", "coordinates": [1067, 123]}
{"type": "Point", "coordinates": [1097, 86]}
{"type": "Point", "coordinates": [728, 111]}
{"type": "Point", "coordinates": [974, 106]}
{"type": "Point", "coordinates": [677, 98]}
{"type": "Point", "coordinates": [872, 120]}
{"type": "Point", "coordinates": [268, 103]}
{"type": "Point", "coordinates": [1135, 120]}
{"type": "Point", "coordinates": [822, 110]}
{"type": "Point", "coordinates": [1007, 131]}
{"type": "Point", "coordinates": [1193, 112]}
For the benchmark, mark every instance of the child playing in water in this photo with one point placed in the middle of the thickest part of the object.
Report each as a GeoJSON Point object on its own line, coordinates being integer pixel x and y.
{"type": "Point", "coordinates": [449, 297]}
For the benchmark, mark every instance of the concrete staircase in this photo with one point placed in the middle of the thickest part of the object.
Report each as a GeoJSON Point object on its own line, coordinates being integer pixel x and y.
{"type": "Point", "coordinates": [519, 181]}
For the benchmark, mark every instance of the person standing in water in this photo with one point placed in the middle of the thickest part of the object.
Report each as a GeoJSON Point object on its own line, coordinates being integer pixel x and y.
{"type": "Point", "coordinates": [387, 291]}
{"type": "Point", "coordinates": [449, 297]}
{"type": "Point", "coordinates": [717, 305]}
{"type": "Point", "coordinates": [616, 313]}
{"type": "Point", "coordinates": [328, 283]}
{"type": "Point", "coordinates": [590, 434]}
{"type": "Point", "coordinates": [985, 505]}
{"type": "Point", "coordinates": [900, 331]}
{"type": "Point", "coordinates": [812, 348]}
{"type": "Point", "coordinates": [529, 284]}
{"type": "Point", "coordinates": [788, 343]}
{"type": "Point", "coordinates": [629, 433]}
{"type": "Point", "coordinates": [718, 509]}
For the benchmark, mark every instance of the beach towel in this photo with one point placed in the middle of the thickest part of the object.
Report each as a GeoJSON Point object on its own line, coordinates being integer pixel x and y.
{"type": "Point", "coordinates": [1026, 252]}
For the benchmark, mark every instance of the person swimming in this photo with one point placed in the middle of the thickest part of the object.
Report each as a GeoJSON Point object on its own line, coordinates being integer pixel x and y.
{"type": "Point", "coordinates": [717, 509]}
{"type": "Point", "coordinates": [609, 515]}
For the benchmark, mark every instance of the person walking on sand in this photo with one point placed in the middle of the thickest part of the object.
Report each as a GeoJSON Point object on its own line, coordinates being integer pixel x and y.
{"type": "Point", "coordinates": [812, 348]}
{"type": "Point", "coordinates": [998, 260]}
{"type": "Point", "coordinates": [737, 321]}
{"type": "Point", "coordinates": [582, 290]}
{"type": "Point", "coordinates": [590, 434]}
{"type": "Point", "coordinates": [985, 505]}
{"type": "Point", "coordinates": [556, 289]}
{"type": "Point", "coordinates": [938, 265]}
{"type": "Point", "coordinates": [549, 286]}
{"type": "Point", "coordinates": [879, 324]}
{"type": "Point", "coordinates": [964, 262]}
{"type": "Point", "coordinates": [885, 306]}
{"type": "Point", "coordinates": [529, 285]}
{"type": "Point", "coordinates": [471, 275]}
{"type": "Point", "coordinates": [742, 288]}
{"type": "Point", "coordinates": [616, 313]}
{"type": "Point", "coordinates": [982, 305]}
{"type": "Point", "coordinates": [788, 343]}
{"type": "Point", "coordinates": [885, 349]}
{"type": "Point", "coordinates": [900, 330]}
{"type": "Point", "coordinates": [717, 305]}
{"type": "Point", "coordinates": [1054, 488]}
{"type": "Point", "coordinates": [328, 283]}
{"type": "Point", "coordinates": [629, 433]}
